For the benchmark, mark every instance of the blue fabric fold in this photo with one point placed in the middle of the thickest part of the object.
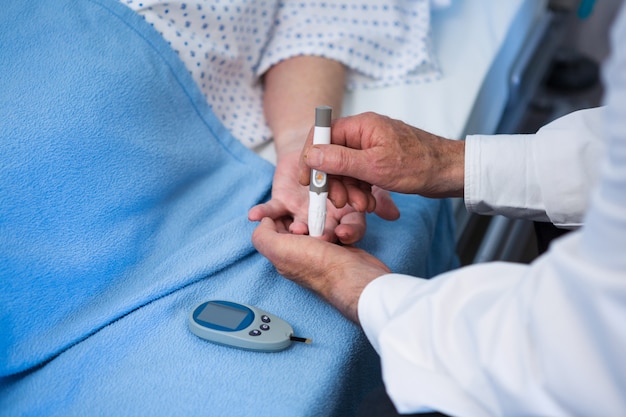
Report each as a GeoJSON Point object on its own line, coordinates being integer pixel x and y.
{"type": "Point", "coordinates": [123, 204]}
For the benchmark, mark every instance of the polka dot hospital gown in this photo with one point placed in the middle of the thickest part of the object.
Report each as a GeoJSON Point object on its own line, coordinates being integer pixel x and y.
{"type": "Point", "coordinates": [227, 45]}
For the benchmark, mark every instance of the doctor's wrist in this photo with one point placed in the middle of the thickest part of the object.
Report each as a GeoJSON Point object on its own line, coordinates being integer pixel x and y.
{"type": "Point", "coordinates": [440, 171]}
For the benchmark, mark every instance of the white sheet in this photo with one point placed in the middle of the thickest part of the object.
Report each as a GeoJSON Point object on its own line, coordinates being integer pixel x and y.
{"type": "Point", "coordinates": [477, 43]}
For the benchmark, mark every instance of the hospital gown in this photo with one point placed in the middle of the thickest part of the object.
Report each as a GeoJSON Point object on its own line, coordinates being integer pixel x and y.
{"type": "Point", "coordinates": [228, 45]}
{"type": "Point", "coordinates": [548, 338]}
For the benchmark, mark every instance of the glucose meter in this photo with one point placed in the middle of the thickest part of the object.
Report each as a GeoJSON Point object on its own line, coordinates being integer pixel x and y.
{"type": "Point", "coordinates": [242, 326]}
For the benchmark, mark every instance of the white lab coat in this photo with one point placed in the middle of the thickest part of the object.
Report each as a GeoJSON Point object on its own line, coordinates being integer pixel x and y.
{"type": "Point", "coordinates": [545, 339]}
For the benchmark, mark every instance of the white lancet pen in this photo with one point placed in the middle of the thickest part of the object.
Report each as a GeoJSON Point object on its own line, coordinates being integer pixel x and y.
{"type": "Point", "coordinates": [318, 188]}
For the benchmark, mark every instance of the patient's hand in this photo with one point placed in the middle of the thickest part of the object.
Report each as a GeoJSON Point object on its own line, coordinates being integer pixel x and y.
{"type": "Point", "coordinates": [289, 205]}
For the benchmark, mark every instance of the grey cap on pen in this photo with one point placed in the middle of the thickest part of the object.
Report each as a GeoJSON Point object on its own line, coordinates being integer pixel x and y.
{"type": "Point", "coordinates": [323, 116]}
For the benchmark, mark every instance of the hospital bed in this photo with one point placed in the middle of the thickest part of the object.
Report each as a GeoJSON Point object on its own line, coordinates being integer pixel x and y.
{"type": "Point", "coordinates": [97, 286]}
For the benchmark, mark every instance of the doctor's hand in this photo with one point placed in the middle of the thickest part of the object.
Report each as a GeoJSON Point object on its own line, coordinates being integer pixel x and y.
{"type": "Point", "coordinates": [290, 203]}
{"type": "Point", "coordinates": [337, 273]}
{"type": "Point", "coordinates": [373, 150]}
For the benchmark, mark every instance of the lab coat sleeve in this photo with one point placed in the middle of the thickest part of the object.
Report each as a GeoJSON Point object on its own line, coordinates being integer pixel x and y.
{"type": "Point", "coordinates": [498, 338]}
{"type": "Point", "coordinates": [545, 176]}
{"type": "Point", "coordinates": [505, 339]}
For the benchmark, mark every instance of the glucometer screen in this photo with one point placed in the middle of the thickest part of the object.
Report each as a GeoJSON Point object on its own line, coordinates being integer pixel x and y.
{"type": "Point", "coordinates": [222, 315]}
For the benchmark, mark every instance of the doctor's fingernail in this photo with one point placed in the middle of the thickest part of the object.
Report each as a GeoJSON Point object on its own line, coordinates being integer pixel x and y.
{"type": "Point", "coordinates": [314, 157]}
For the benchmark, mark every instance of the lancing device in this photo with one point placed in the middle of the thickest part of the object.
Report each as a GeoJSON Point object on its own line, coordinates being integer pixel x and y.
{"type": "Point", "coordinates": [318, 188]}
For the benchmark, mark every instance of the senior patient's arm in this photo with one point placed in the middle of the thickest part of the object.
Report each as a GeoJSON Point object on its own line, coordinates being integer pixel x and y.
{"type": "Point", "coordinates": [293, 88]}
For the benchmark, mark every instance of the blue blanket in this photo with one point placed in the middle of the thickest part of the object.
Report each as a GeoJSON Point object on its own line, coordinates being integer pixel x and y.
{"type": "Point", "coordinates": [123, 203]}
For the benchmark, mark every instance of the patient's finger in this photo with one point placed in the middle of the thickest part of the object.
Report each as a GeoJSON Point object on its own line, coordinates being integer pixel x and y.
{"type": "Point", "coordinates": [351, 229]}
{"type": "Point", "coordinates": [273, 209]}
{"type": "Point", "coordinates": [298, 227]}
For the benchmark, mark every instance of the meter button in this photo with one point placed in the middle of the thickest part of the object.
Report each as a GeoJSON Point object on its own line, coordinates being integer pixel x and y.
{"type": "Point", "coordinates": [264, 327]}
{"type": "Point", "coordinates": [265, 319]}
{"type": "Point", "coordinates": [255, 332]}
